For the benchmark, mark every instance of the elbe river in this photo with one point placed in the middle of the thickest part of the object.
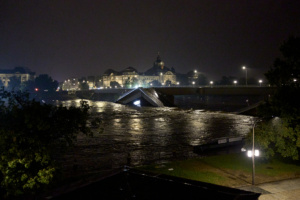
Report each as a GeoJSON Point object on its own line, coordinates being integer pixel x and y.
{"type": "Point", "coordinates": [144, 135]}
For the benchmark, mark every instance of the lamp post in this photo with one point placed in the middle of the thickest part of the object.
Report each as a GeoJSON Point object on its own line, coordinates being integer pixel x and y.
{"type": "Point", "coordinates": [253, 152]}
{"type": "Point", "coordinates": [260, 82]}
{"type": "Point", "coordinates": [211, 83]}
{"type": "Point", "coordinates": [253, 156]}
{"type": "Point", "coordinates": [245, 68]}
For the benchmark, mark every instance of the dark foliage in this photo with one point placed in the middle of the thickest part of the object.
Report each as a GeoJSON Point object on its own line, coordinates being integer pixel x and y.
{"type": "Point", "coordinates": [30, 134]}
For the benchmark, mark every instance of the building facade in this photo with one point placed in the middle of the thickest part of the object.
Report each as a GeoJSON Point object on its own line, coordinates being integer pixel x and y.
{"type": "Point", "coordinates": [158, 75]}
{"type": "Point", "coordinates": [130, 77]}
{"type": "Point", "coordinates": [20, 73]}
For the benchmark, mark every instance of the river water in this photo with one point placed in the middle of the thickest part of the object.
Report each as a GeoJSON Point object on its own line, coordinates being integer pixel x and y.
{"type": "Point", "coordinates": [137, 136]}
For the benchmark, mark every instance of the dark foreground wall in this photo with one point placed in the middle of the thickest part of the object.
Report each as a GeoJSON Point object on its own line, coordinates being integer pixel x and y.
{"type": "Point", "coordinates": [134, 184]}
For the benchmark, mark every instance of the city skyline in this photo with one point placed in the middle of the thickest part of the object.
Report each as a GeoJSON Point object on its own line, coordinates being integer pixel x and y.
{"type": "Point", "coordinates": [75, 38]}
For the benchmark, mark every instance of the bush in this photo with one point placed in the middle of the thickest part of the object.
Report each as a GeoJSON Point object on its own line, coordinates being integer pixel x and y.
{"type": "Point", "coordinates": [30, 133]}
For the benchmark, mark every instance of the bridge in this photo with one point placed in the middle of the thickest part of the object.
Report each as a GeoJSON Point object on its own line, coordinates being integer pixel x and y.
{"type": "Point", "coordinates": [189, 90]}
{"type": "Point", "coordinates": [223, 98]}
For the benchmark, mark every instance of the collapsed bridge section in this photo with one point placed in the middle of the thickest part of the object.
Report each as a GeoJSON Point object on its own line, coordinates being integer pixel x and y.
{"type": "Point", "coordinates": [145, 97]}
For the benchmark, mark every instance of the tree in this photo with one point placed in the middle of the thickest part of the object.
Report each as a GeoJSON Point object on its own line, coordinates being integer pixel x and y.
{"type": "Point", "coordinates": [286, 69]}
{"type": "Point", "coordinates": [283, 138]}
{"type": "Point", "coordinates": [275, 137]}
{"type": "Point", "coordinates": [154, 83]}
{"type": "Point", "coordinates": [168, 83]}
{"type": "Point", "coordinates": [30, 134]}
{"type": "Point", "coordinates": [227, 80]}
{"type": "Point", "coordinates": [285, 76]}
{"type": "Point", "coordinates": [83, 86]}
{"type": "Point", "coordinates": [114, 84]}
{"type": "Point", "coordinates": [14, 83]}
{"type": "Point", "coordinates": [128, 83]}
{"type": "Point", "coordinates": [202, 80]}
{"type": "Point", "coordinates": [44, 83]}
{"type": "Point", "coordinates": [134, 82]}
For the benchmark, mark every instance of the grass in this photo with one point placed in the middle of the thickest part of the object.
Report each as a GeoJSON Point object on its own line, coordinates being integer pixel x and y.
{"type": "Point", "coordinates": [233, 170]}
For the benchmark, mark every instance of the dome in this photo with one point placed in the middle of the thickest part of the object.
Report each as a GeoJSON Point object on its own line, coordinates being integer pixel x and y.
{"type": "Point", "coordinates": [129, 69]}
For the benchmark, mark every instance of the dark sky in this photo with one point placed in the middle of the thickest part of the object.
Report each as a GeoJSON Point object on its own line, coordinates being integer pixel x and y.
{"type": "Point", "coordinates": [67, 38]}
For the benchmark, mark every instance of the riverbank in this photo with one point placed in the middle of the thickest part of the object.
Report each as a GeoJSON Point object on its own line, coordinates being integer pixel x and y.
{"type": "Point", "coordinates": [231, 170]}
{"type": "Point", "coordinates": [273, 178]}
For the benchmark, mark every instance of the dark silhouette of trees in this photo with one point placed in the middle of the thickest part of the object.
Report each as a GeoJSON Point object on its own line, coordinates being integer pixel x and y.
{"type": "Point", "coordinates": [83, 86]}
{"type": "Point", "coordinates": [226, 80]}
{"type": "Point", "coordinates": [154, 83]}
{"type": "Point", "coordinates": [283, 137]}
{"type": "Point", "coordinates": [202, 80]}
{"type": "Point", "coordinates": [14, 83]}
{"type": "Point", "coordinates": [43, 83]}
{"type": "Point", "coordinates": [134, 82]}
{"type": "Point", "coordinates": [168, 83]}
{"type": "Point", "coordinates": [30, 135]}
{"type": "Point", "coordinates": [114, 84]}
{"type": "Point", "coordinates": [182, 79]}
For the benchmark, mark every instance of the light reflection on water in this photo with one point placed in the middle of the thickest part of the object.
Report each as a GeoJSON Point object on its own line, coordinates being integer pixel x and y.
{"type": "Point", "coordinates": [148, 135]}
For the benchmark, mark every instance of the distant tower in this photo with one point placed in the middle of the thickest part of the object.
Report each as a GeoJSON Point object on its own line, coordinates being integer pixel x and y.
{"type": "Point", "coordinates": [159, 62]}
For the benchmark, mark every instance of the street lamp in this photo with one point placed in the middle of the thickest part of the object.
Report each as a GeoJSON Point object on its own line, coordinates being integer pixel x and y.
{"type": "Point", "coordinates": [254, 152]}
{"type": "Point", "coordinates": [245, 68]}
{"type": "Point", "coordinates": [193, 82]}
{"type": "Point", "coordinates": [211, 83]}
{"type": "Point", "coordinates": [234, 82]}
{"type": "Point", "coordinates": [195, 71]}
{"type": "Point", "coordinates": [260, 82]}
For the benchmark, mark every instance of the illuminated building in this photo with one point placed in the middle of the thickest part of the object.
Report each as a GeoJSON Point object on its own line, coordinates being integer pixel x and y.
{"type": "Point", "coordinates": [20, 73]}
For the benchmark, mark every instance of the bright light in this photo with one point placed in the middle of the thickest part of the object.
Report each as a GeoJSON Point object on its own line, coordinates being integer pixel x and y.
{"type": "Point", "coordinates": [235, 82]}
{"type": "Point", "coordinates": [36, 89]}
{"type": "Point", "coordinates": [178, 83]}
{"type": "Point", "coordinates": [256, 153]}
{"type": "Point", "coordinates": [295, 80]}
{"type": "Point", "coordinates": [211, 82]}
{"type": "Point", "coordinates": [161, 73]}
{"type": "Point", "coordinates": [244, 67]}
{"type": "Point", "coordinates": [193, 82]}
{"type": "Point", "coordinates": [137, 103]}
{"type": "Point", "coordinates": [195, 71]}
{"type": "Point", "coordinates": [260, 81]}
{"type": "Point", "coordinates": [151, 84]}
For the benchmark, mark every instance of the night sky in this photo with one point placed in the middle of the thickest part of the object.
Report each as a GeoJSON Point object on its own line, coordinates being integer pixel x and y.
{"type": "Point", "coordinates": [72, 38]}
